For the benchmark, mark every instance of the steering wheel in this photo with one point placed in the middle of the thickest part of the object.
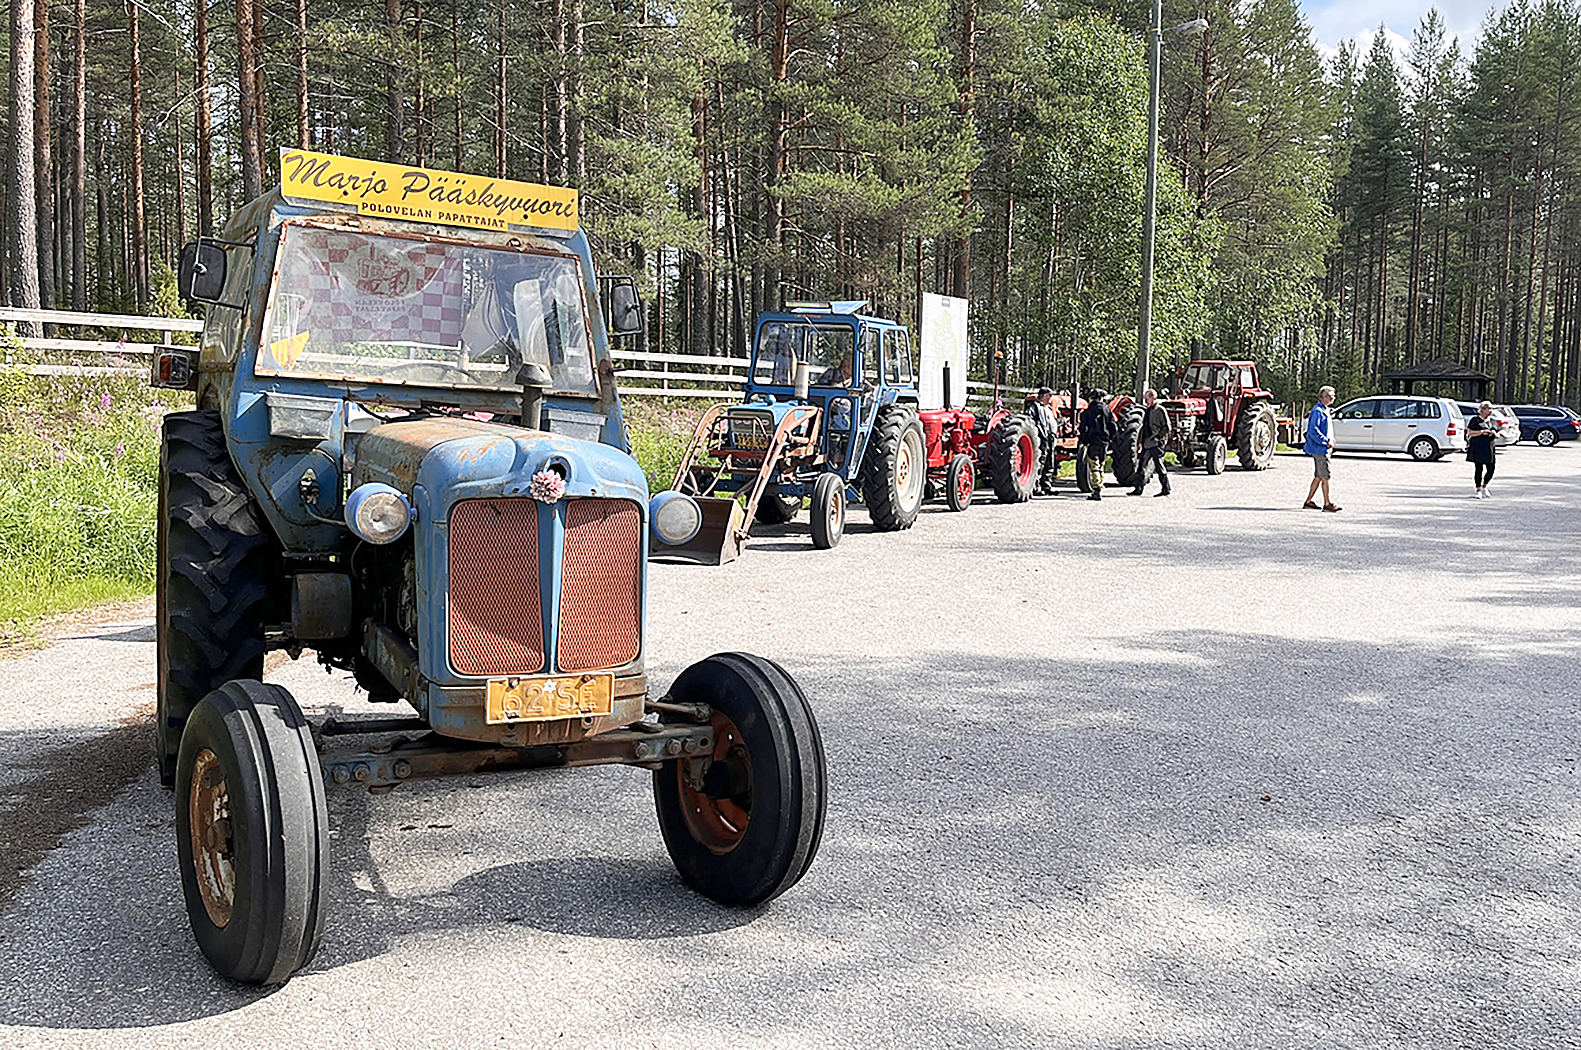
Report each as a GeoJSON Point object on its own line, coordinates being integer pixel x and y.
{"type": "Point", "coordinates": [440, 366]}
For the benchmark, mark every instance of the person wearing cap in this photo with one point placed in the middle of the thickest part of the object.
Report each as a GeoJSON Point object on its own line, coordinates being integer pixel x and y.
{"type": "Point", "coordinates": [1155, 433]}
{"type": "Point", "coordinates": [1097, 429]}
{"type": "Point", "coordinates": [1041, 411]}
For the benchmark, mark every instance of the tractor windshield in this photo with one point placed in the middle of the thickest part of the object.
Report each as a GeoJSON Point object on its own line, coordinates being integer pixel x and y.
{"type": "Point", "coordinates": [356, 307]}
{"type": "Point", "coordinates": [1204, 377]}
{"type": "Point", "coordinates": [829, 348]}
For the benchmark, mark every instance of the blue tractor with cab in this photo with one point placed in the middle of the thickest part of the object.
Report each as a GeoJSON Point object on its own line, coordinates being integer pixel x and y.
{"type": "Point", "coordinates": [408, 458]}
{"type": "Point", "coordinates": [829, 413]}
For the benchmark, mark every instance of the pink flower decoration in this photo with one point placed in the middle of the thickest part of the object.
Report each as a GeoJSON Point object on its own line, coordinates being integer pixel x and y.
{"type": "Point", "coordinates": [547, 485]}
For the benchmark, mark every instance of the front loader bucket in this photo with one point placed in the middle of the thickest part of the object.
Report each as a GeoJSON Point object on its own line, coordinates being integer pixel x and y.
{"type": "Point", "coordinates": [717, 542]}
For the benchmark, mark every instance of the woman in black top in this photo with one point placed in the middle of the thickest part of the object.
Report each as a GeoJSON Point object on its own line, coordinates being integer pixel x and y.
{"type": "Point", "coordinates": [1481, 432]}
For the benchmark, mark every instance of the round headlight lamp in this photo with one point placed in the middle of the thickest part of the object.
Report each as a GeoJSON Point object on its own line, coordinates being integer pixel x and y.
{"type": "Point", "coordinates": [674, 517]}
{"type": "Point", "coordinates": [377, 513]}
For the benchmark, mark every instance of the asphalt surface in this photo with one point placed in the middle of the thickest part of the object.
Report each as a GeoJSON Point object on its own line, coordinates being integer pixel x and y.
{"type": "Point", "coordinates": [1210, 771]}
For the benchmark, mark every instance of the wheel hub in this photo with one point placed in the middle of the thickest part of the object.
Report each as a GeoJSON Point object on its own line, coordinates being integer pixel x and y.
{"type": "Point", "coordinates": [213, 847]}
{"type": "Point", "coordinates": [716, 791]}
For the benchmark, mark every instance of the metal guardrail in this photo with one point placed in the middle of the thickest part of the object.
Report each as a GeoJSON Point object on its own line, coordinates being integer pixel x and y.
{"type": "Point", "coordinates": [675, 375]}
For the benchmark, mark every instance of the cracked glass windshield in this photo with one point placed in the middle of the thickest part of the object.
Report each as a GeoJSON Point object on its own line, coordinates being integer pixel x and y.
{"type": "Point", "coordinates": [365, 308]}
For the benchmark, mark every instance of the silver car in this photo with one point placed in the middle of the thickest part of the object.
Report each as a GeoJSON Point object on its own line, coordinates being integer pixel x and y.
{"type": "Point", "coordinates": [1424, 427]}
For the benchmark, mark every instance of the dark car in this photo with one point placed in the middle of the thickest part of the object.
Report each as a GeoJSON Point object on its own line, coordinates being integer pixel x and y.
{"type": "Point", "coordinates": [1547, 424]}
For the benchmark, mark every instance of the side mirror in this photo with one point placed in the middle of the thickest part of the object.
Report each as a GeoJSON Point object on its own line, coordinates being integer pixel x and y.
{"type": "Point", "coordinates": [200, 275]}
{"type": "Point", "coordinates": [625, 308]}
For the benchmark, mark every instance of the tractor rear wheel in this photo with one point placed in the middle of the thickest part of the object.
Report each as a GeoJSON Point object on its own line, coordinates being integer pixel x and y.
{"type": "Point", "coordinates": [828, 510]}
{"type": "Point", "coordinates": [1013, 459]}
{"type": "Point", "coordinates": [1256, 433]}
{"type": "Point", "coordinates": [777, 509]}
{"type": "Point", "coordinates": [894, 469]}
{"type": "Point", "coordinates": [251, 831]}
{"type": "Point", "coordinates": [1216, 453]}
{"type": "Point", "coordinates": [743, 822]}
{"type": "Point", "coordinates": [212, 570]}
{"type": "Point", "coordinates": [1126, 447]}
{"type": "Point", "coordinates": [961, 482]}
{"type": "Point", "coordinates": [1083, 479]}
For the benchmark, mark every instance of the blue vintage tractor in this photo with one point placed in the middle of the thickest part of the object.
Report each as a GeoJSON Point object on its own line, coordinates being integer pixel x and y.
{"type": "Point", "coordinates": [408, 457]}
{"type": "Point", "coordinates": [829, 412]}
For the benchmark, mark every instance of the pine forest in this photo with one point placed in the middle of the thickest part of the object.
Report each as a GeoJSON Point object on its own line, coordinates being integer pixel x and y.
{"type": "Point", "coordinates": [1332, 217]}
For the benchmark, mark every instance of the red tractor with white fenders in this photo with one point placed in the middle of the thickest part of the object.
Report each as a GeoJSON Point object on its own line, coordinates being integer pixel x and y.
{"type": "Point", "coordinates": [1217, 405]}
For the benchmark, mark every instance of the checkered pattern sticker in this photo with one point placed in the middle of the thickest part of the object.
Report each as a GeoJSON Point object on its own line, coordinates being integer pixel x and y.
{"type": "Point", "coordinates": [364, 289]}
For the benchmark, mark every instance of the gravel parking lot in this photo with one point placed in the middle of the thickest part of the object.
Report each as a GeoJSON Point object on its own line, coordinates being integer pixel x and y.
{"type": "Point", "coordinates": [1207, 771]}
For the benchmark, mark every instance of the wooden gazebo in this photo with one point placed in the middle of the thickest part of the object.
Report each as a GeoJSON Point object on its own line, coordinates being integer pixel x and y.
{"type": "Point", "coordinates": [1467, 383]}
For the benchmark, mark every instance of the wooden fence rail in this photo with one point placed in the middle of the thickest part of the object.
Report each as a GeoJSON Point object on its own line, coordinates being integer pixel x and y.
{"type": "Point", "coordinates": [663, 374]}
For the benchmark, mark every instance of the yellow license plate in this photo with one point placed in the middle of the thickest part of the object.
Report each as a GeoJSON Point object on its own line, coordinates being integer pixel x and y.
{"type": "Point", "coordinates": [554, 696]}
{"type": "Point", "coordinates": [750, 442]}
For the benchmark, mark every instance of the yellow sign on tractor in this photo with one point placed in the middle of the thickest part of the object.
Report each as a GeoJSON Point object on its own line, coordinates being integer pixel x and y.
{"type": "Point", "coordinates": [397, 191]}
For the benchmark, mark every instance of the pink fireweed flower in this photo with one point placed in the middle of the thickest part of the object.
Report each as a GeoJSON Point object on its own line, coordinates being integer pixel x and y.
{"type": "Point", "coordinates": [547, 486]}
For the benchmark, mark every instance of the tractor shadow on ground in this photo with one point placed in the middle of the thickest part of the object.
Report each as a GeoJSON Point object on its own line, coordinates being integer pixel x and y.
{"type": "Point", "coordinates": [1233, 838]}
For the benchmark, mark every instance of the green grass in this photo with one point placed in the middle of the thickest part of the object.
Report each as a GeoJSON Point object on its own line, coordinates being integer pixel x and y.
{"type": "Point", "coordinates": [660, 430]}
{"type": "Point", "coordinates": [79, 461]}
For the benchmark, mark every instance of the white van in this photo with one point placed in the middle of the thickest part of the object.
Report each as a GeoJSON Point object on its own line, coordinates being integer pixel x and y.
{"type": "Point", "coordinates": [1425, 427]}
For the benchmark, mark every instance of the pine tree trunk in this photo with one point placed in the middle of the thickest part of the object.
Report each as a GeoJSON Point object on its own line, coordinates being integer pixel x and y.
{"type": "Point", "coordinates": [499, 116]}
{"type": "Point", "coordinates": [578, 145]}
{"type": "Point", "coordinates": [43, 158]}
{"type": "Point", "coordinates": [304, 135]}
{"type": "Point", "coordinates": [247, 100]}
{"type": "Point", "coordinates": [562, 102]}
{"type": "Point", "coordinates": [21, 207]}
{"type": "Point", "coordinates": [779, 123]}
{"type": "Point", "coordinates": [961, 265]}
{"type": "Point", "coordinates": [139, 271]}
{"type": "Point", "coordinates": [395, 97]}
{"type": "Point", "coordinates": [178, 175]}
{"type": "Point", "coordinates": [455, 70]}
{"type": "Point", "coordinates": [420, 104]}
{"type": "Point", "coordinates": [79, 160]}
{"type": "Point", "coordinates": [204, 184]}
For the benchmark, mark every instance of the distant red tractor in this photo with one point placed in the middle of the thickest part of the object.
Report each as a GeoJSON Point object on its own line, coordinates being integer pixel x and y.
{"type": "Point", "coordinates": [1218, 404]}
{"type": "Point", "coordinates": [963, 447]}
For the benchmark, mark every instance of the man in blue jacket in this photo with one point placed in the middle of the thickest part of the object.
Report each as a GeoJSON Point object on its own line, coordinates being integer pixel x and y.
{"type": "Point", "coordinates": [1320, 446]}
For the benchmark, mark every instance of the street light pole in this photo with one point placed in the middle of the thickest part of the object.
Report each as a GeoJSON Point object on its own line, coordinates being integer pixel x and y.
{"type": "Point", "coordinates": [1144, 327]}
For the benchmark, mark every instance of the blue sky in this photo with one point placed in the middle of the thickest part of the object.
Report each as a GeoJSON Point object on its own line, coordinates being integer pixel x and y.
{"type": "Point", "coordinates": [1337, 20]}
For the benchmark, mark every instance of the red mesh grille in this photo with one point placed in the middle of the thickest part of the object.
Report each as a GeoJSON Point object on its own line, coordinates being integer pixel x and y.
{"type": "Point", "coordinates": [600, 607]}
{"type": "Point", "coordinates": [496, 627]}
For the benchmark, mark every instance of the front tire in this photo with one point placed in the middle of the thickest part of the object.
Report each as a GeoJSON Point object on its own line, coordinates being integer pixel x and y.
{"type": "Point", "coordinates": [1216, 454]}
{"type": "Point", "coordinates": [961, 482]}
{"type": "Point", "coordinates": [251, 829]}
{"type": "Point", "coordinates": [894, 469]}
{"type": "Point", "coordinates": [212, 568]}
{"type": "Point", "coordinates": [1547, 438]}
{"type": "Point", "coordinates": [1013, 459]}
{"type": "Point", "coordinates": [828, 511]}
{"type": "Point", "coordinates": [743, 823]}
{"type": "Point", "coordinates": [1255, 436]}
{"type": "Point", "coordinates": [1423, 449]}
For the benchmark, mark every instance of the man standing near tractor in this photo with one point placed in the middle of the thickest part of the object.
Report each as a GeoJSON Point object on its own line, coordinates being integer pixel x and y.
{"type": "Point", "coordinates": [1097, 429]}
{"type": "Point", "coordinates": [1041, 412]}
{"type": "Point", "coordinates": [1155, 434]}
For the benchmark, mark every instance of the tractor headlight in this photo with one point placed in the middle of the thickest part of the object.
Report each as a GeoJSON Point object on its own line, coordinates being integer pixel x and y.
{"type": "Point", "coordinates": [675, 517]}
{"type": "Point", "coordinates": [378, 513]}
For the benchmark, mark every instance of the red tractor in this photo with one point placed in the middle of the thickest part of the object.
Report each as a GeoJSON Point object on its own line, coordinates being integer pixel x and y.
{"type": "Point", "coordinates": [963, 446]}
{"type": "Point", "coordinates": [1218, 404]}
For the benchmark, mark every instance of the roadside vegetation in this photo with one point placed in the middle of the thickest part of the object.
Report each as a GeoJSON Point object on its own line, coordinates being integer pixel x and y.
{"type": "Point", "coordinates": [79, 459]}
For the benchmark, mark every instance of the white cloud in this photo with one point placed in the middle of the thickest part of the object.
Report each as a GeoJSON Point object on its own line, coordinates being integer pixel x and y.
{"type": "Point", "coordinates": [1358, 20]}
